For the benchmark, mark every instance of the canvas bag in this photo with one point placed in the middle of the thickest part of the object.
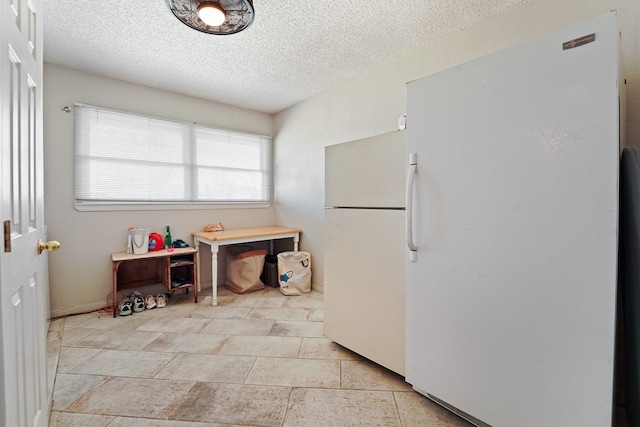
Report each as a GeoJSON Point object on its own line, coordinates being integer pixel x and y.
{"type": "Point", "coordinates": [294, 272]}
{"type": "Point", "coordinates": [244, 266]}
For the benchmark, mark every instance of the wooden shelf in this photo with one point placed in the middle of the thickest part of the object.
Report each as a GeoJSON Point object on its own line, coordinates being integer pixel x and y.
{"type": "Point", "coordinates": [153, 268]}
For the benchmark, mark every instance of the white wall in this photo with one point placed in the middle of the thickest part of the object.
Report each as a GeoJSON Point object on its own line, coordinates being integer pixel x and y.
{"type": "Point", "coordinates": [80, 272]}
{"type": "Point", "coordinates": [371, 104]}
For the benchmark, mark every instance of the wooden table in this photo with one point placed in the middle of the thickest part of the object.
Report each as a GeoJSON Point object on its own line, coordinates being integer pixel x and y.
{"type": "Point", "coordinates": [215, 239]}
{"type": "Point", "coordinates": [156, 267]}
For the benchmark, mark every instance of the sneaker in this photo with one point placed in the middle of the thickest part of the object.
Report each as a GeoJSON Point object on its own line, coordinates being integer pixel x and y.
{"type": "Point", "coordinates": [150, 301]}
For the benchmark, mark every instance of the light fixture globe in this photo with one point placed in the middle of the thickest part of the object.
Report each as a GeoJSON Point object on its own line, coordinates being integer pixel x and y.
{"type": "Point", "coordinates": [211, 14]}
{"type": "Point", "coordinates": [234, 15]}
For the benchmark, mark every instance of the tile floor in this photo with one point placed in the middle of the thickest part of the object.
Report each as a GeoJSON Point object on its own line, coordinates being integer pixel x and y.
{"type": "Point", "coordinates": [254, 360]}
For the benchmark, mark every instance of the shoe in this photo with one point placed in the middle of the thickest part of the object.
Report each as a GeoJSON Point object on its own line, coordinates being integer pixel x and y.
{"type": "Point", "coordinates": [161, 300]}
{"type": "Point", "coordinates": [180, 244]}
{"type": "Point", "coordinates": [125, 307]}
{"type": "Point", "coordinates": [150, 301]}
{"type": "Point", "coordinates": [138, 301]}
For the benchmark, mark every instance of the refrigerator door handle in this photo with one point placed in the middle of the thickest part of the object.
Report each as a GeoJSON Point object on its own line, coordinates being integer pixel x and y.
{"type": "Point", "coordinates": [413, 164]}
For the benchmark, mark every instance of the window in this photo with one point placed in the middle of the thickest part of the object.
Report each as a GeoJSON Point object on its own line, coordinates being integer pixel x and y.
{"type": "Point", "coordinates": [126, 159]}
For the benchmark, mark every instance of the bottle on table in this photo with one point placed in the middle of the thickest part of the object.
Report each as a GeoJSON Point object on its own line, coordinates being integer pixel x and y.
{"type": "Point", "coordinates": [168, 240]}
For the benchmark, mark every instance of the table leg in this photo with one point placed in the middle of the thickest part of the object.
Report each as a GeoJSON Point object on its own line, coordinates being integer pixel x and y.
{"type": "Point", "coordinates": [214, 274]}
{"type": "Point", "coordinates": [114, 267]}
{"type": "Point", "coordinates": [196, 245]}
{"type": "Point", "coordinates": [196, 282]}
{"type": "Point", "coordinates": [296, 239]}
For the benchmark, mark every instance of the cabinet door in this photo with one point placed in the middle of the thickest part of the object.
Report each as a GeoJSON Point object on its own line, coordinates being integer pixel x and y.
{"type": "Point", "coordinates": [364, 291]}
{"type": "Point", "coordinates": [368, 172]}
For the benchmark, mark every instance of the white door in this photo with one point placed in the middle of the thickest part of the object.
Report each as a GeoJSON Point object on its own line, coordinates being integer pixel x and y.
{"type": "Point", "coordinates": [23, 281]}
{"type": "Point", "coordinates": [511, 303]}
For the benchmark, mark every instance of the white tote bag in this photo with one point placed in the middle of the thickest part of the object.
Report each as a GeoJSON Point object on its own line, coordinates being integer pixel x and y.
{"type": "Point", "coordinates": [294, 272]}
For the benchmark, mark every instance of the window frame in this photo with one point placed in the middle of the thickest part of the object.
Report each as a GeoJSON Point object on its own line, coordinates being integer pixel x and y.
{"type": "Point", "coordinates": [190, 130]}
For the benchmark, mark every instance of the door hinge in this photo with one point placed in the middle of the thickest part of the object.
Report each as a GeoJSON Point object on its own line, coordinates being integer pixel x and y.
{"type": "Point", "coordinates": [7, 236]}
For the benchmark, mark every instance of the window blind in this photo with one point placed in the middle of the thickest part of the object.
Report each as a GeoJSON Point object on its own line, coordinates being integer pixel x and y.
{"type": "Point", "coordinates": [125, 158]}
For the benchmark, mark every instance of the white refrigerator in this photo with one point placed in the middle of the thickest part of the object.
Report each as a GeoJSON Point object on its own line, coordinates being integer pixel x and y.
{"type": "Point", "coordinates": [364, 275]}
{"type": "Point", "coordinates": [513, 214]}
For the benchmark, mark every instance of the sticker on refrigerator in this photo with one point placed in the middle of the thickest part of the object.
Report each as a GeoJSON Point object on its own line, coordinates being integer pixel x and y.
{"type": "Point", "coordinates": [579, 41]}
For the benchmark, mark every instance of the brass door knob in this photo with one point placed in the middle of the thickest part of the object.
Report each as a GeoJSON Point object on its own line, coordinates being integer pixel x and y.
{"type": "Point", "coordinates": [51, 246]}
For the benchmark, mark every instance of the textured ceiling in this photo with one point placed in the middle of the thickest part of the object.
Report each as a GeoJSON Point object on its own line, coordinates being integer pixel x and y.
{"type": "Point", "coordinates": [294, 49]}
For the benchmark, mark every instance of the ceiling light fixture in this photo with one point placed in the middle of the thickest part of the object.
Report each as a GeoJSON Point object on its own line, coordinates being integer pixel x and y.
{"type": "Point", "coordinates": [221, 17]}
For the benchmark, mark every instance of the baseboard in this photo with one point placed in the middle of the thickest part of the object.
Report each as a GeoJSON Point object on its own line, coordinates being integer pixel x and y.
{"type": "Point", "coordinates": [204, 285]}
{"type": "Point", "coordinates": [78, 309]}
{"type": "Point", "coordinates": [318, 287]}
{"type": "Point", "coordinates": [95, 306]}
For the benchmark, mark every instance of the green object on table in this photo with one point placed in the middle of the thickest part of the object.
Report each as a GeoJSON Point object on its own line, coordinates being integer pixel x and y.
{"type": "Point", "coordinates": [168, 241]}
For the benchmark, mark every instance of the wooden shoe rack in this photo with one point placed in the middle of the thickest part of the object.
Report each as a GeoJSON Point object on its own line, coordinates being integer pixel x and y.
{"type": "Point", "coordinates": [174, 270]}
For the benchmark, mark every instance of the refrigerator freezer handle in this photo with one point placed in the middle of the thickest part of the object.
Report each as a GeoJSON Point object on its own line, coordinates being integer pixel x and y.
{"type": "Point", "coordinates": [413, 164]}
